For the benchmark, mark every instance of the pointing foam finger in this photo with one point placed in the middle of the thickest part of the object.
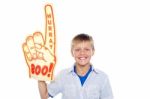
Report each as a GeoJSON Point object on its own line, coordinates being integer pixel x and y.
{"type": "Point", "coordinates": [50, 28]}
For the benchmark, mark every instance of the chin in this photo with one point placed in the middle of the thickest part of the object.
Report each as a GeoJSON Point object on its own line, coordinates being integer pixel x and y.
{"type": "Point", "coordinates": [83, 64]}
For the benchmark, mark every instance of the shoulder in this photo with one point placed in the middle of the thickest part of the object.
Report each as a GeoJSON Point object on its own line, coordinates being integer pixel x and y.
{"type": "Point", "coordinates": [100, 73]}
{"type": "Point", "coordinates": [65, 71]}
{"type": "Point", "coordinates": [100, 77]}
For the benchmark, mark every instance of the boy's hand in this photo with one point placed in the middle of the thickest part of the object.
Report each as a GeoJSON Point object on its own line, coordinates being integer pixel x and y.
{"type": "Point", "coordinates": [39, 52]}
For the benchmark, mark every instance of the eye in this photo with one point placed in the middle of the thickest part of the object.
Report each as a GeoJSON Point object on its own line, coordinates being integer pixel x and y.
{"type": "Point", "coordinates": [87, 49]}
{"type": "Point", "coordinates": [77, 50]}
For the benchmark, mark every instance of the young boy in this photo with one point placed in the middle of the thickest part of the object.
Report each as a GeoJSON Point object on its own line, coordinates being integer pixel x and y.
{"type": "Point", "coordinates": [82, 81]}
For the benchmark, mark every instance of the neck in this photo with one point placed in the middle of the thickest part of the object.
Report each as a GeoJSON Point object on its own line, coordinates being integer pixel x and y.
{"type": "Point", "coordinates": [82, 70]}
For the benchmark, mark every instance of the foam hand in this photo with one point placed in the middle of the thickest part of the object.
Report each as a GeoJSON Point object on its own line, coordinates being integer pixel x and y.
{"type": "Point", "coordinates": [39, 49]}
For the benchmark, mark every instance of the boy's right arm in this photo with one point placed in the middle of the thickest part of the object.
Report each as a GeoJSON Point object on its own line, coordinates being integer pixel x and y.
{"type": "Point", "coordinates": [43, 89]}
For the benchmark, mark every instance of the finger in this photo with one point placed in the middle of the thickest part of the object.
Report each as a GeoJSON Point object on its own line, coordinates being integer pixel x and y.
{"type": "Point", "coordinates": [50, 29]}
{"type": "Point", "coordinates": [38, 40]}
{"type": "Point", "coordinates": [31, 47]}
{"type": "Point", "coordinates": [26, 52]}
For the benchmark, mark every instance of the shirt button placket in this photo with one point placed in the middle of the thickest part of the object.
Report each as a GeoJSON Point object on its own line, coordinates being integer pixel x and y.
{"type": "Point", "coordinates": [82, 93]}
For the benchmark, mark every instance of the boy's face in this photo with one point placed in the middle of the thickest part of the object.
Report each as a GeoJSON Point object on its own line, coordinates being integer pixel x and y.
{"type": "Point", "coordinates": [82, 52]}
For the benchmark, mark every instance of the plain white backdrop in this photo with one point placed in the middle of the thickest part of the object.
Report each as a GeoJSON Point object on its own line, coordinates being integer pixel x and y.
{"type": "Point", "coordinates": [120, 28]}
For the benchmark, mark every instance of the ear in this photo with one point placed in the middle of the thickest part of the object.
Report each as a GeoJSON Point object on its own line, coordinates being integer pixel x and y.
{"type": "Point", "coordinates": [72, 53]}
{"type": "Point", "coordinates": [93, 51]}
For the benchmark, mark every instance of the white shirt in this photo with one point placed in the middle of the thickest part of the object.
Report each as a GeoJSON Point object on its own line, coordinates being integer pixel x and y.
{"type": "Point", "coordinates": [96, 86]}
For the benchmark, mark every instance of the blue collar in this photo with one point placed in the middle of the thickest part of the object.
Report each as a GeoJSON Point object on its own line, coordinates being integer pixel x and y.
{"type": "Point", "coordinates": [86, 73]}
{"type": "Point", "coordinates": [71, 70]}
{"type": "Point", "coordinates": [83, 78]}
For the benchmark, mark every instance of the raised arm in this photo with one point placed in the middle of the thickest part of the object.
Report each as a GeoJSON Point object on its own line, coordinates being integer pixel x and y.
{"type": "Point", "coordinates": [43, 89]}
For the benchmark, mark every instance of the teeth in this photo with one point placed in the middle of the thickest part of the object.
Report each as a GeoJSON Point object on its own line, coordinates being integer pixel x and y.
{"type": "Point", "coordinates": [82, 58]}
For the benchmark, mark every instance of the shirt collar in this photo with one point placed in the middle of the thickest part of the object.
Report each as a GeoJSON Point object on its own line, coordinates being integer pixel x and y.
{"type": "Point", "coordinates": [71, 70]}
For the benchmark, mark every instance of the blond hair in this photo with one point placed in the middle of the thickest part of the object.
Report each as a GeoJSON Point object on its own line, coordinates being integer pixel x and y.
{"type": "Point", "coordinates": [82, 37]}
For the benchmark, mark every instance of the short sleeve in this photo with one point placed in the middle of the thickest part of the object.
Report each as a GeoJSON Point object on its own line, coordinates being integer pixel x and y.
{"type": "Point", "coordinates": [55, 86]}
{"type": "Point", "coordinates": [106, 92]}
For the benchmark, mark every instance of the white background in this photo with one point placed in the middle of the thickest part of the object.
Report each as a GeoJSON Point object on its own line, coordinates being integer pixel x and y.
{"type": "Point", "coordinates": [120, 28]}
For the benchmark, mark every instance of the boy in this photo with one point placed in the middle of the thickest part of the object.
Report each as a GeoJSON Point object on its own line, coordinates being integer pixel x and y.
{"type": "Point", "coordinates": [81, 81]}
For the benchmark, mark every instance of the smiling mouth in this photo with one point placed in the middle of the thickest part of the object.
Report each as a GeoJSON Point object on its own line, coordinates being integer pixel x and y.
{"type": "Point", "coordinates": [83, 58]}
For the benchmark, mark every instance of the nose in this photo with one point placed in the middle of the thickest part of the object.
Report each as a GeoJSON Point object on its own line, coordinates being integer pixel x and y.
{"type": "Point", "coordinates": [82, 51]}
